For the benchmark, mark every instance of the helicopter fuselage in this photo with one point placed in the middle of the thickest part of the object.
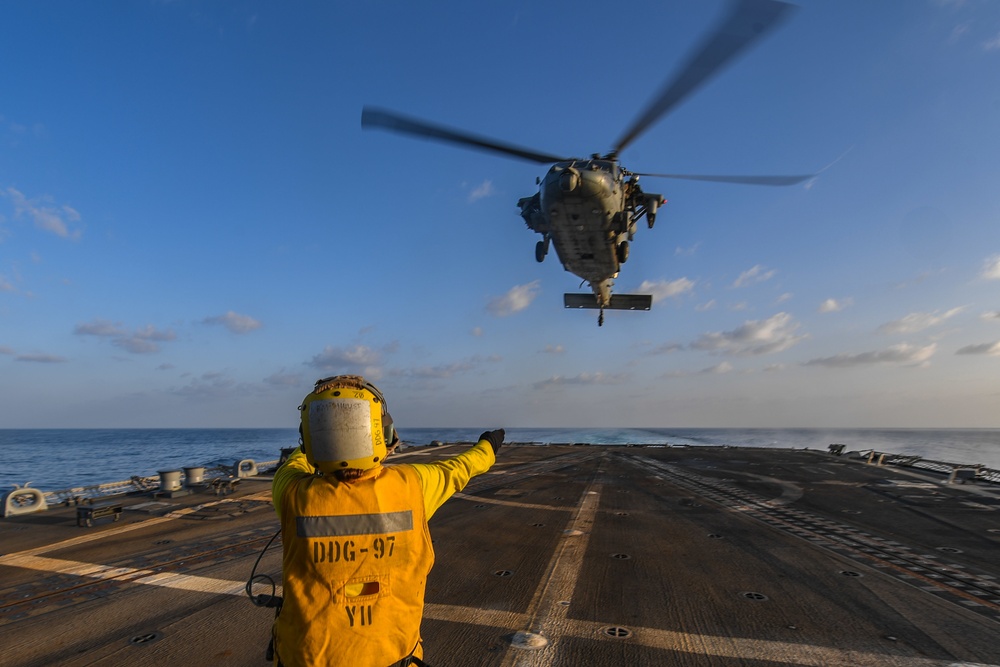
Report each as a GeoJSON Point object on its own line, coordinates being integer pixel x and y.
{"type": "Point", "coordinates": [588, 209]}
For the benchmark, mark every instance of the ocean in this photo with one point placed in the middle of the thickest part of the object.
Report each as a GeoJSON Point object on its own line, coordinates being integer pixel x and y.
{"type": "Point", "coordinates": [56, 459]}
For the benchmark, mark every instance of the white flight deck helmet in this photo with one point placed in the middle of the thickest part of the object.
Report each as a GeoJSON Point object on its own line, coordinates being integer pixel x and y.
{"type": "Point", "coordinates": [345, 424]}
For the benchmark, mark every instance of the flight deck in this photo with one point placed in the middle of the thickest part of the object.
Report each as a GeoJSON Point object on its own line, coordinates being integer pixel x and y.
{"type": "Point", "coordinates": [560, 555]}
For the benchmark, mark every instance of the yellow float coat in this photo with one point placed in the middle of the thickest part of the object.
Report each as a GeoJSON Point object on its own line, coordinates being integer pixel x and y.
{"type": "Point", "coordinates": [356, 557]}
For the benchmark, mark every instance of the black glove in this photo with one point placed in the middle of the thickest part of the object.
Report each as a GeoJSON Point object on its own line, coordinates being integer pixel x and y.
{"type": "Point", "coordinates": [495, 438]}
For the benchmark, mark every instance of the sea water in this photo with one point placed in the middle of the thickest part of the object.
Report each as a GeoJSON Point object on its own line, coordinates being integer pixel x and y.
{"type": "Point", "coordinates": [56, 459]}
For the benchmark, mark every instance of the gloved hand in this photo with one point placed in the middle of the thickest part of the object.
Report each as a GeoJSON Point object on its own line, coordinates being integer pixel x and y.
{"type": "Point", "coordinates": [495, 438]}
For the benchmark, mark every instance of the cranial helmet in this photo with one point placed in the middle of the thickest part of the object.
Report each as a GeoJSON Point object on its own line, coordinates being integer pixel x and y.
{"type": "Point", "coordinates": [345, 424]}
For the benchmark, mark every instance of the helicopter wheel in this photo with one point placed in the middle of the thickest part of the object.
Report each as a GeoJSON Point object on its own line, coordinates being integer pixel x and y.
{"type": "Point", "coordinates": [541, 249]}
{"type": "Point", "coordinates": [622, 252]}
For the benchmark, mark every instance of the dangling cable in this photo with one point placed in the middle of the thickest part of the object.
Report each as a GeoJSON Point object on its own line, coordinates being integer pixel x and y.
{"type": "Point", "coordinates": [272, 600]}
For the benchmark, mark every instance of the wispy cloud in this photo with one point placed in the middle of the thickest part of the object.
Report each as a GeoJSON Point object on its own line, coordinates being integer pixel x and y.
{"type": "Point", "coordinates": [753, 337]}
{"type": "Point", "coordinates": [708, 305]}
{"type": "Point", "coordinates": [663, 289]}
{"type": "Point", "coordinates": [357, 359]}
{"type": "Point", "coordinates": [915, 322]}
{"type": "Point", "coordinates": [991, 268]}
{"type": "Point", "coordinates": [992, 44]}
{"type": "Point", "coordinates": [718, 369]}
{"type": "Point", "coordinates": [990, 315]}
{"type": "Point", "coordinates": [686, 252]}
{"type": "Point", "coordinates": [284, 379]}
{"type": "Point", "coordinates": [835, 305]}
{"type": "Point", "coordinates": [554, 349]}
{"type": "Point", "coordinates": [517, 299]}
{"type": "Point", "coordinates": [666, 348]}
{"type": "Point", "coordinates": [210, 385]}
{"type": "Point", "coordinates": [484, 189]}
{"type": "Point", "coordinates": [755, 274]}
{"type": "Point", "coordinates": [41, 358]}
{"type": "Point", "coordinates": [236, 323]}
{"type": "Point", "coordinates": [143, 340]}
{"type": "Point", "coordinates": [902, 354]}
{"type": "Point", "coordinates": [444, 371]}
{"type": "Point", "coordinates": [991, 349]}
{"type": "Point", "coordinates": [49, 217]}
{"type": "Point", "coordinates": [582, 379]}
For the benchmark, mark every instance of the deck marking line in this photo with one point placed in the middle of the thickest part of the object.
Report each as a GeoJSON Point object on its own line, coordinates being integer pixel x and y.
{"type": "Point", "coordinates": [127, 575]}
{"type": "Point", "coordinates": [729, 647]}
{"type": "Point", "coordinates": [128, 527]}
{"type": "Point", "coordinates": [513, 503]}
{"type": "Point", "coordinates": [546, 617]}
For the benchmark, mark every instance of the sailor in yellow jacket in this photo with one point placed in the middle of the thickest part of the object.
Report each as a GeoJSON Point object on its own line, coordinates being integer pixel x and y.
{"type": "Point", "coordinates": [356, 547]}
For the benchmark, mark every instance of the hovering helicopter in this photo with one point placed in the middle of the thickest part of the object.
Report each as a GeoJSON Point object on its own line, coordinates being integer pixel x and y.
{"type": "Point", "coordinates": [589, 207]}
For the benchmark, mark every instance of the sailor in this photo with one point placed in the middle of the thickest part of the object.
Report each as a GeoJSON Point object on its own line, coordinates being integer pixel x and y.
{"type": "Point", "coordinates": [355, 541]}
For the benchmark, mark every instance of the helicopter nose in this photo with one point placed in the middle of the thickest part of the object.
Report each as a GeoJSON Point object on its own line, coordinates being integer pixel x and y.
{"type": "Point", "coordinates": [569, 180]}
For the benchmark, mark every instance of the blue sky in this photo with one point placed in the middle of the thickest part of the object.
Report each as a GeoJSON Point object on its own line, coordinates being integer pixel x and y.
{"type": "Point", "coordinates": [194, 227]}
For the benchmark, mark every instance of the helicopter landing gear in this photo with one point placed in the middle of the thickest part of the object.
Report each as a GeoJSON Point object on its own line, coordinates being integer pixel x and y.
{"type": "Point", "coordinates": [622, 252]}
{"type": "Point", "coordinates": [650, 219]}
{"type": "Point", "coordinates": [541, 250]}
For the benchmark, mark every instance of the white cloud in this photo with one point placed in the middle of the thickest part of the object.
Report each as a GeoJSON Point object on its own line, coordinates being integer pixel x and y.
{"type": "Point", "coordinates": [991, 349]}
{"type": "Point", "coordinates": [143, 340]}
{"type": "Point", "coordinates": [992, 44]}
{"type": "Point", "coordinates": [708, 305]}
{"type": "Point", "coordinates": [283, 379]}
{"type": "Point", "coordinates": [834, 305]}
{"type": "Point", "coordinates": [991, 268]}
{"type": "Point", "coordinates": [718, 369]}
{"type": "Point", "coordinates": [236, 323]}
{"type": "Point", "coordinates": [783, 298]}
{"type": "Point", "coordinates": [358, 359]}
{"type": "Point", "coordinates": [901, 354]}
{"type": "Point", "coordinates": [991, 315]}
{"type": "Point", "coordinates": [686, 252]}
{"type": "Point", "coordinates": [517, 299]}
{"type": "Point", "coordinates": [915, 322]}
{"type": "Point", "coordinates": [756, 274]}
{"type": "Point", "coordinates": [55, 219]}
{"type": "Point", "coordinates": [484, 189]}
{"type": "Point", "coordinates": [442, 371]}
{"type": "Point", "coordinates": [667, 348]}
{"type": "Point", "coordinates": [753, 337]}
{"type": "Point", "coordinates": [662, 289]}
{"type": "Point", "coordinates": [554, 349]}
{"type": "Point", "coordinates": [582, 379]}
{"type": "Point", "coordinates": [39, 358]}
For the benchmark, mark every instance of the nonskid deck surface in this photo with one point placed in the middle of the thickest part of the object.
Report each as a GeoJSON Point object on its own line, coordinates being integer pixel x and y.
{"type": "Point", "coordinates": [561, 555]}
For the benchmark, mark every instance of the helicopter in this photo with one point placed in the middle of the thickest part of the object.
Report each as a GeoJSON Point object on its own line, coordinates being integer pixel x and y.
{"type": "Point", "coordinates": [589, 208]}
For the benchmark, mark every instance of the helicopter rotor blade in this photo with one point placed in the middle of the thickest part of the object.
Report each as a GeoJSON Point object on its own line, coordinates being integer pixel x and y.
{"type": "Point", "coordinates": [746, 180]}
{"type": "Point", "coordinates": [746, 22]}
{"type": "Point", "coordinates": [389, 120]}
